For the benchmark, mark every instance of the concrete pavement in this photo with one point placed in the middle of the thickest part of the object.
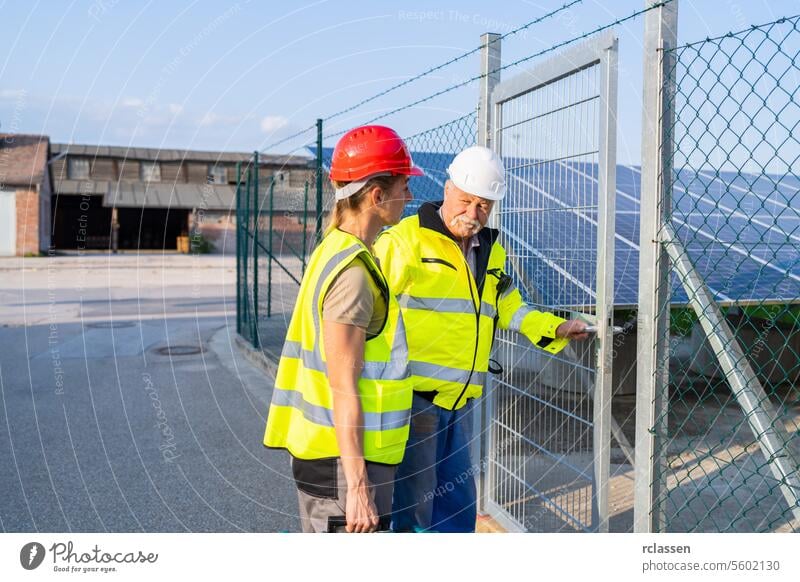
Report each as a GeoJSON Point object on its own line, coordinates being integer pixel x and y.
{"type": "Point", "coordinates": [125, 405]}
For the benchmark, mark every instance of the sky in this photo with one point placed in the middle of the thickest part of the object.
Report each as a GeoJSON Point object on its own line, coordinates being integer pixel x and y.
{"type": "Point", "coordinates": [241, 76]}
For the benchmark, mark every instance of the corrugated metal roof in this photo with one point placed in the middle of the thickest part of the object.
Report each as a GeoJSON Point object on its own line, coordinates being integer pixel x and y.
{"type": "Point", "coordinates": [175, 155]}
{"type": "Point", "coordinates": [87, 187]}
{"type": "Point", "coordinates": [144, 195]}
{"type": "Point", "coordinates": [209, 196]}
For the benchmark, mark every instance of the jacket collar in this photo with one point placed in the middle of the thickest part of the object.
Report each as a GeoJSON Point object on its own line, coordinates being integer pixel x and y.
{"type": "Point", "coordinates": [429, 218]}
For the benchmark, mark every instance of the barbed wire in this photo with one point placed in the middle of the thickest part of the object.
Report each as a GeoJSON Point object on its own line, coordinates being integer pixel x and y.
{"type": "Point", "coordinates": [550, 49]}
{"type": "Point", "coordinates": [285, 139]}
{"type": "Point", "coordinates": [731, 34]}
{"type": "Point", "coordinates": [453, 60]}
{"type": "Point", "coordinates": [427, 72]}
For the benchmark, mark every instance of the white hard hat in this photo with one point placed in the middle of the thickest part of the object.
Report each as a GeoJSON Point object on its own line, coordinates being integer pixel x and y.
{"type": "Point", "coordinates": [479, 171]}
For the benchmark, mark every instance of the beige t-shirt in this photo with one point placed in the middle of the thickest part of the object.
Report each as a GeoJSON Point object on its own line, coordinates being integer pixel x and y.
{"type": "Point", "coordinates": [354, 299]}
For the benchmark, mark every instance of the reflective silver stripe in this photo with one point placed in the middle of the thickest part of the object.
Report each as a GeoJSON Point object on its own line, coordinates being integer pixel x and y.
{"type": "Point", "coordinates": [312, 412]}
{"type": "Point", "coordinates": [326, 271]}
{"type": "Point", "coordinates": [293, 349]}
{"type": "Point", "coordinates": [441, 304]}
{"type": "Point", "coordinates": [375, 421]}
{"type": "Point", "coordinates": [445, 373]}
{"type": "Point", "coordinates": [394, 369]}
{"type": "Point", "coordinates": [444, 305]}
{"type": "Point", "coordinates": [397, 366]}
{"type": "Point", "coordinates": [519, 315]}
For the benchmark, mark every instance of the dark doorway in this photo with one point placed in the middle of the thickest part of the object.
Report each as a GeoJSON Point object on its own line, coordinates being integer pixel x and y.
{"type": "Point", "coordinates": [80, 222]}
{"type": "Point", "coordinates": [151, 228]}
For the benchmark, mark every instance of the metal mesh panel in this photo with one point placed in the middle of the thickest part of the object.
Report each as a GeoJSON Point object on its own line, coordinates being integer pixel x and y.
{"type": "Point", "coordinates": [275, 236]}
{"type": "Point", "coordinates": [730, 432]}
{"type": "Point", "coordinates": [542, 425]}
{"type": "Point", "coordinates": [434, 149]}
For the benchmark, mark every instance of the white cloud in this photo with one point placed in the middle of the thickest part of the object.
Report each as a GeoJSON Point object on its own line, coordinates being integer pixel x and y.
{"type": "Point", "coordinates": [209, 118]}
{"type": "Point", "coordinates": [175, 108]}
{"type": "Point", "coordinates": [132, 102]}
{"type": "Point", "coordinates": [12, 93]}
{"type": "Point", "coordinates": [273, 123]}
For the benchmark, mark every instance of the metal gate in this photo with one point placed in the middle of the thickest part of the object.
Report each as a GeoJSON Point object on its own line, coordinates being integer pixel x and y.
{"type": "Point", "coordinates": [548, 417]}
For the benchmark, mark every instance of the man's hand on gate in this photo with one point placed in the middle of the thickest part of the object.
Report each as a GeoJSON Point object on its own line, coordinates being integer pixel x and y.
{"type": "Point", "coordinates": [572, 329]}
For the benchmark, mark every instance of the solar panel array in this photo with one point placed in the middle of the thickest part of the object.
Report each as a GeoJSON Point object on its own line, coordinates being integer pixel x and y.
{"type": "Point", "coordinates": [733, 243]}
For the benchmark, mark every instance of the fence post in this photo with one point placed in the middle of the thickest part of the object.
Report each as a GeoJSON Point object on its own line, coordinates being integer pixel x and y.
{"type": "Point", "coordinates": [652, 376]}
{"type": "Point", "coordinates": [305, 226]}
{"type": "Point", "coordinates": [269, 254]}
{"type": "Point", "coordinates": [256, 207]}
{"type": "Point", "coordinates": [246, 253]}
{"type": "Point", "coordinates": [606, 210]}
{"type": "Point", "coordinates": [238, 248]}
{"type": "Point", "coordinates": [490, 64]}
{"type": "Point", "coordinates": [318, 228]}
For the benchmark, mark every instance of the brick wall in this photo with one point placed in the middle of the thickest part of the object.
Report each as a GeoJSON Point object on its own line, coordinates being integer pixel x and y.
{"type": "Point", "coordinates": [27, 222]}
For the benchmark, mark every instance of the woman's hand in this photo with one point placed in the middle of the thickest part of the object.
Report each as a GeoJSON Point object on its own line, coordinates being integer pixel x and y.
{"type": "Point", "coordinates": [362, 516]}
{"type": "Point", "coordinates": [344, 347]}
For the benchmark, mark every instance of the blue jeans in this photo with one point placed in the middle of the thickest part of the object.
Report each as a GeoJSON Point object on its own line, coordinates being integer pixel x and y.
{"type": "Point", "coordinates": [434, 487]}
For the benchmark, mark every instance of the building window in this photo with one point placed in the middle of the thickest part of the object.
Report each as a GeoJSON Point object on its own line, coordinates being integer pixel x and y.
{"type": "Point", "coordinates": [217, 175]}
{"type": "Point", "coordinates": [78, 169]}
{"type": "Point", "coordinates": [151, 172]}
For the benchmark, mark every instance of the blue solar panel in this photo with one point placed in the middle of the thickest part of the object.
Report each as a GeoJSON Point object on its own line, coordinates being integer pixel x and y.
{"type": "Point", "coordinates": [740, 230]}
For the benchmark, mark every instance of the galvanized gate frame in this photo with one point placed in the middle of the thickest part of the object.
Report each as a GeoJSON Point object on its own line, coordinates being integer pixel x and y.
{"type": "Point", "coordinates": [602, 50]}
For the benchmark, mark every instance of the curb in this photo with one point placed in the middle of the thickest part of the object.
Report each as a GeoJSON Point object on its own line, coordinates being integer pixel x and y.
{"type": "Point", "coordinates": [263, 359]}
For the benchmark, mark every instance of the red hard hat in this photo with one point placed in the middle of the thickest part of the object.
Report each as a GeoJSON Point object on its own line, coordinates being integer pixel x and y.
{"type": "Point", "coordinates": [369, 150]}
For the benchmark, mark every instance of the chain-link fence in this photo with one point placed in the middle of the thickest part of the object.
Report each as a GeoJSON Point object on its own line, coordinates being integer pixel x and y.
{"type": "Point", "coordinates": [276, 230]}
{"type": "Point", "coordinates": [433, 150]}
{"type": "Point", "coordinates": [728, 435]}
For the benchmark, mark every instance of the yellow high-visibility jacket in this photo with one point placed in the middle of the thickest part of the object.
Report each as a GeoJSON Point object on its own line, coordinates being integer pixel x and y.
{"type": "Point", "coordinates": [301, 413]}
{"type": "Point", "coordinates": [449, 313]}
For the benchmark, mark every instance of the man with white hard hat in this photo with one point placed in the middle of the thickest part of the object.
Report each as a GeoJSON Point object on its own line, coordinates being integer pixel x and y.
{"type": "Point", "coordinates": [448, 273]}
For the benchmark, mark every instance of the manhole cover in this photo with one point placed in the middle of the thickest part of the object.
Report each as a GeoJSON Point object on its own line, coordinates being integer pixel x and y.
{"type": "Point", "coordinates": [179, 350]}
{"type": "Point", "coordinates": [111, 324]}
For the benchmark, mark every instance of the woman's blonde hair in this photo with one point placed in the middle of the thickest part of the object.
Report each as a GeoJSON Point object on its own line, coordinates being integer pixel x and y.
{"type": "Point", "coordinates": [353, 203]}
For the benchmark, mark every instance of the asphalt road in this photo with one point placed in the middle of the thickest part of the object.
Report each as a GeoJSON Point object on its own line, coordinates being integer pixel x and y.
{"type": "Point", "coordinates": [125, 405]}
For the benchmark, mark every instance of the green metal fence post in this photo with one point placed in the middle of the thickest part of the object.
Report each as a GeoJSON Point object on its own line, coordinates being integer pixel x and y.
{"type": "Point", "coordinates": [318, 229]}
{"type": "Point", "coordinates": [246, 252]}
{"type": "Point", "coordinates": [270, 252]}
{"type": "Point", "coordinates": [238, 248]}
{"type": "Point", "coordinates": [305, 227]}
{"type": "Point", "coordinates": [256, 207]}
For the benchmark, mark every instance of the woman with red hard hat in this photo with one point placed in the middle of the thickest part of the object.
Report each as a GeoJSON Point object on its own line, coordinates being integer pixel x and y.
{"type": "Point", "coordinates": [342, 397]}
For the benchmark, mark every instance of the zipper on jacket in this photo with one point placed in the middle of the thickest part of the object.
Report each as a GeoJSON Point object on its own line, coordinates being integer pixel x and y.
{"type": "Point", "coordinates": [477, 334]}
{"type": "Point", "coordinates": [439, 262]}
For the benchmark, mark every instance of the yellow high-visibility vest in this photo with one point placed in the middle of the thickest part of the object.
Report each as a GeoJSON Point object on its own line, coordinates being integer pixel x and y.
{"type": "Point", "coordinates": [449, 316]}
{"type": "Point", "coordinates": [301, 413]}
